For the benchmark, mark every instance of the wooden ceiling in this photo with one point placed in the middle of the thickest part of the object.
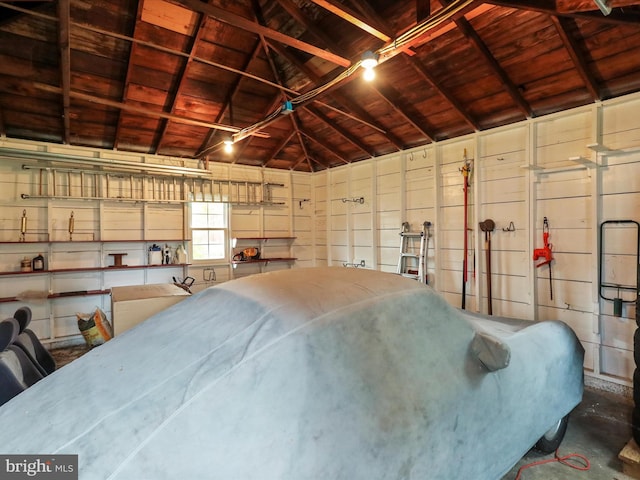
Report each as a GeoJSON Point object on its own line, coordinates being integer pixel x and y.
{"type": "Point", "coordinates": [280, 77]}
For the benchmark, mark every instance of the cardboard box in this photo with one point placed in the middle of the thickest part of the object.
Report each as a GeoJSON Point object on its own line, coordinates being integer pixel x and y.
{"type": "Point", "coordinates": [134, 304]}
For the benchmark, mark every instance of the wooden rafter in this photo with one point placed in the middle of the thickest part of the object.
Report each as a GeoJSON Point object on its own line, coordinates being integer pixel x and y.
{"type": "Point", "coordinates": [423, 10]}
{"type": "Point", "coordinates": [339, 131]}
{"type": "Point", "coordinates": [579, 62]}
{"type": "Point", "coordinates": [182, 76]}
{"type": "Point", "coordinates": [127, 79]}
{"type": "Point", "coordinates": [438, 87]}
{"type": "Point", "coordinates": [352, 17]}
{"type": "Point", "coordinates": [468, 31]}
{"type": "Point", "coordinates": [225, 16]}
{"type": "Point", "coordinates": [429, 78]}
{"type": "Point", "coordinates": [358, 114]}
{"type": "Point", "coordinates": [276, 74]}
{"type": "Point", "coordinates": [295, 12]}
{"type": "Point", "coordinates": [395, 102]}
{"type": "Point", "coordinates": [139, 110]}
{"type": "Point", "coordinates": [549, 7]}
{"type": "Point", "coordinates": [65, 65]}
{"type": "Point", "coordinates": [324, 147]}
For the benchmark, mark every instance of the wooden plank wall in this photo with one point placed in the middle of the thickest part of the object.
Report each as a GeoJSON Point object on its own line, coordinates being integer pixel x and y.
{"type": "Point", "coordinates": [544, 167]}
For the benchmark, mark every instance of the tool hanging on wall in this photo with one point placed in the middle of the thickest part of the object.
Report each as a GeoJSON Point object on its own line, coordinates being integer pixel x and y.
{"type": "Point", "coordinates": [605, 285]}
{"type": "Point", "coordinates": [466, 171]}
{"type": "Point", "coordinates": [71, 226]}
{"type": "Point", "coordinates": [23, 226]}
{"type": "Point", "coordinates": [487, 227]}
{"type": "Point", "coordinates": [545, 253]}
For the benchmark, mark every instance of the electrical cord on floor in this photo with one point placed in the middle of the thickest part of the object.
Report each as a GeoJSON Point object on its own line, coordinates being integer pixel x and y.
{"type": "Point", "coordinates": [565, 460]}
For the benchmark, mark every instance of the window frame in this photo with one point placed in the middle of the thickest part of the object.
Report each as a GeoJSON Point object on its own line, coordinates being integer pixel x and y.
{"type": "Point", "coordinates": [225, 230]}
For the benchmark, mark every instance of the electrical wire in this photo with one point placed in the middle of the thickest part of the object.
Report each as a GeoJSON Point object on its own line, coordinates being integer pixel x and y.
{"type": "Point", "coordinates": [405, 39]}
{"type": "Point", "coordinates": [586, 465]}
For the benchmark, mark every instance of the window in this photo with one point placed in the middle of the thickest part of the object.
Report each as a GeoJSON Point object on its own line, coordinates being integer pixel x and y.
{"type": "Point", "coordinates": [209, 230]}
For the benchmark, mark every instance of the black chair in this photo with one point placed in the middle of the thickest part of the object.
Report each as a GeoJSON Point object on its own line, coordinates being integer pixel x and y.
{"type": "Point", "coordinates": [28, 341]}
{"type": "Point", "coordinates": [17, 371]}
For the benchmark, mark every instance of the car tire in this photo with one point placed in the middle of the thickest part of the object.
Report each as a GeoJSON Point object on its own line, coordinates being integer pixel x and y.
{"type": "Point", "coordinates": [635, 424]}
{"type": "Point", "coordinates": [551, 440]}
{"type": "Point", "coordinates": [636, 387]}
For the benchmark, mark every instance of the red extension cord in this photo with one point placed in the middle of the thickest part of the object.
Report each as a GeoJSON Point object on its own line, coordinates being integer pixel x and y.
{"type": "Point", "coordinates": [584, 466]}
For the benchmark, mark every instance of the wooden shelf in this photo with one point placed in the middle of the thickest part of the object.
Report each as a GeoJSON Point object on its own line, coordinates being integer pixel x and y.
{"type": "Point", "coordinates": [92, 241]}
{"type": "Point", "coordinates": [81, 293]}
{"type": "Point", "coordinates": [95, 269]}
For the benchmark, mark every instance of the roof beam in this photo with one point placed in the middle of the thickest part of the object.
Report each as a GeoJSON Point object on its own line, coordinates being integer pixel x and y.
{"type": "Point", "coordinates": [352, 17]}
{"type": "Point", "coordinates": [423, 10]}
{"type": "Point", "coordinates": [349, 138]}
{"type": "Point", "coordinates": [394, 101]}
{"type": "Point", "coordinates": [232, 19]}
{"type": "Point", "coordinates": [324, 147]}
{"type": "Point", "coordinates": [468, 31]}
{"type": "Point", "coordinates": [360, 114]}
{"type": "Point", "coordinates": [429, 78]}
{"type": "Point", "coordinates": [65, 66]}
{"type": "Point", "coordinates": [295, 12]}
{"type": "Point", "coordinates": [140, 110]}
{"type": "Point", "coordinates": [579, 62]}
{"type": "Point", "coordinates": [181, 81]}
{"type": "Point", "coordinates": [549, 7]}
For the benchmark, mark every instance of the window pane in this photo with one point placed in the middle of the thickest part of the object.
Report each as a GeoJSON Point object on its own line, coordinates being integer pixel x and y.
{"type": "Point", "coordinates": [209, 234]}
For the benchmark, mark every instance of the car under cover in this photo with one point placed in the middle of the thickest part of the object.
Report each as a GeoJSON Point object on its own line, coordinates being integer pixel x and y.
{"type": "Point", "coordinates": [305, 374]}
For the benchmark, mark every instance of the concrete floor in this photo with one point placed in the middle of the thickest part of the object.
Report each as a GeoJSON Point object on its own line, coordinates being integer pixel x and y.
{"type": "Point", "coordinates": [598, 429]}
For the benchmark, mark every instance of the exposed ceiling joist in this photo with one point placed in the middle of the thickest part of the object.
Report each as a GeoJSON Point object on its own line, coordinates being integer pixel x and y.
{"type": "Point", "coordinates": [245, 24]}
{"type": "Point", "coordinates": [65, 66]}
{"type": "Point", "coordinates": [578, 59]}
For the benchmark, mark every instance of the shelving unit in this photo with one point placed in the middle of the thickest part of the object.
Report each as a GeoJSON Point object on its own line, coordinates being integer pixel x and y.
{"type": "Point", "coordinates": [262, 245]}
{"type": "Point", "coordinates": [35, 247]}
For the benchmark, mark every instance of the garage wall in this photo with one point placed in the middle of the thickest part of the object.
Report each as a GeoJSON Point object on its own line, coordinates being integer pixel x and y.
{"type": "Point", "coordinates": [103, 227]}
{"type": "Point", "coordinates": [577, 168]}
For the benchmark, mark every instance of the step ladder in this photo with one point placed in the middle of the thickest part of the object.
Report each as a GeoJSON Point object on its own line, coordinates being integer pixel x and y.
{"type": "Point", "coordinates": [413, 252]}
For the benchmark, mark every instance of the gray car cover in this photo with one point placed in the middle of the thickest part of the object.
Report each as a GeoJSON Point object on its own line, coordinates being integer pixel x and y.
{"type": "Point", "coordinates": [305, 374]}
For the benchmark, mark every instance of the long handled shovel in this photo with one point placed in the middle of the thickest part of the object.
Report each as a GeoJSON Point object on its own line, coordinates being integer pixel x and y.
{"type": "Point", "coordinates": [466, 171]}
{"type": "Point", "coordinates": [487, 227]}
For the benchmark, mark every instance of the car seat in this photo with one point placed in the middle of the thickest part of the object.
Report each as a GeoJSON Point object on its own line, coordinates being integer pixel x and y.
{"type": "Point", "coordinates": [17, 371]}
{"type": "Point", "coordinates": [28, 341]}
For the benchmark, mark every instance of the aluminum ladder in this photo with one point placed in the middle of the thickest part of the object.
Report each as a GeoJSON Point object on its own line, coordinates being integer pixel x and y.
{"type": "Point", "coordinates": [413, 252]}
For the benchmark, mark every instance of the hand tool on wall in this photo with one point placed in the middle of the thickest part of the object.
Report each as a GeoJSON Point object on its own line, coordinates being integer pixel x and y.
{"type": "Point", "coordinates": [466, 173]}
{"type": "Point", "coordinates": [545, 253]}
{"type": "Point", "coordinates": [487, 227]}
{"type": "Point", "coordinates": [605, 285]}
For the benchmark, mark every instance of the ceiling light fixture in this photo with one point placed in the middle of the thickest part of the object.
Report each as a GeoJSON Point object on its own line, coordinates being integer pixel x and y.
{"type": "Point", "coordinates": [228, 145]}
{"type": "Point", "coordinates": [369, 62]}
{"type": "Point", "coordinates": [603, 5]}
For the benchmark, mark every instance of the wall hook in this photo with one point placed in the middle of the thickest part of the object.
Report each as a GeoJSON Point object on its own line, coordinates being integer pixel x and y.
{"type": "Point", "coordinates": [510, 228]}
{"type": "Point", "coordinates": [354, 200]}
{"type": "Point", "coordinates": [303, 201]}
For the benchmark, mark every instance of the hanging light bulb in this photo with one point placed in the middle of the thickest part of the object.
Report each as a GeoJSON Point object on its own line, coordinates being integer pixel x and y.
{"type": "Point", "coordinates": [369, 74]}
{"type": "Point", "coordinates": [369, 62]}
{"type": "Point", "coordinates": [228, 145]}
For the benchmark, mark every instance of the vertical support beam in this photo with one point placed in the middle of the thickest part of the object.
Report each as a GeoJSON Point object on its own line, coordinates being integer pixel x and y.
{"type": "Point", "coordinates": [596, 208]}
{"type": "Point", "coordinates": [375, 227]}
{"type": "Point", "coordinates": [532, 160]}
{"type": "Point", "coordinates": [437, 174]}
{"type": "Point", "coordinates": [478, 237]}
